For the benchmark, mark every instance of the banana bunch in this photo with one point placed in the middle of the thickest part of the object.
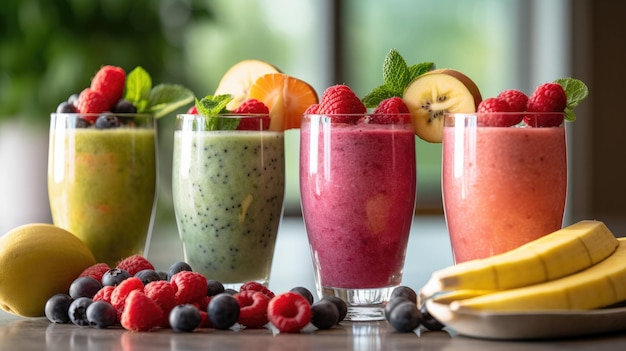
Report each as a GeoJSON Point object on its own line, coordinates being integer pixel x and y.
{"type": "Point", "coordinates": [582, 266]}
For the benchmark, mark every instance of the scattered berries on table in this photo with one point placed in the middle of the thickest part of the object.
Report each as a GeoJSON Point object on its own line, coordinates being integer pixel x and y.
{"type": "Point", "coordinates": [78, 311]}
{"type": "Point", "coordinates": [252, 285]}
{"type": "Point", "coordinates": [252, 308]}
{"type": "Point", "coordinates": [123, 290]}
{"type": "Point", "coordinates": [214, 287]}
{"type": "Point", "coordinates": [140, 312]}
{"type": "Point", "coordinates": [304, 292]}
{"type": "Point", "coordinates": [56, 308]}
{"type": "Point", "coordinates": [101, 314]}
{"type": "Point", "coordinates": [223, 311]}
{"type": "Point", "coordinates": [148, 276]}
{"type": "Point", "coordinates": [428, 321]}
{"type": "Point", "coordinates": [185, 318]}
{"type": "Point", "coordinates": [289, 312]}
{"type": "Point", "coordinates": [342, 306]}
{"type": "Point", "coordinates": [134, 264]}
{"type": "Point", "coordinates": [404, 316]}
{"type": "Point", "coordinates": [324, 314]}
{"type": "Point", "coordinates": [178, 267]}
{"type": "Point", "coordinates": [190, 286]}
{"type": "Point", "coordinates": [104, 294]}
{"type": "Point", "coordinates": [84, 287]}
{"type": "Point", "coordinates": [114, 276]}
{"type": "Point", "coordinates": [95, 271]}
{"type": "Point", "coordinates": [404, 291]}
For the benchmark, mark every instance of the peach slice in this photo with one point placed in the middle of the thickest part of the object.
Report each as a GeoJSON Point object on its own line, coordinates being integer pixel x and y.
{"type": "Point", "coordinates": [238, 79]}
{"type": "Point", "coordinates": [435, 93]}
{"type": "Point", "coordinates": [286, 97]}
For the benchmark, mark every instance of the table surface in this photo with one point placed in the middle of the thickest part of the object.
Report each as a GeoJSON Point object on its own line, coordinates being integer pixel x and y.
{"type": "Point", "coordinates": [428, 251]}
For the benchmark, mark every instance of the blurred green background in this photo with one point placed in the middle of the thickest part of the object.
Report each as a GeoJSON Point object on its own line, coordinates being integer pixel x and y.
{"type": "Point", "coordinates": [50, 49]}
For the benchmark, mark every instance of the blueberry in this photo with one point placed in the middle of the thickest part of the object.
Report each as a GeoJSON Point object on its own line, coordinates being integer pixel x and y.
{"type": "Point", "coordinates": [342, 307]}
{"type": "Point", "coordinates": [78, 311]}
{"type": "Point", "coordinates": [101, 314]}
{"type": "Point", "coordinates": [107, 121]}
{"type": "Point", "coordinates": [178, 267]}
{"type": "Point", "coordinates": [84, 287]}
{"type": "Point", "coordinates": [392, 303]}
{"type": "Point", "coordinates": [223, 311]}
{"type": "Point", "coordinates": [304, 292]}
{"type": "Point", "coordinates": [324, 314]}
{"type": "Point", "coordinates": [81, 123]}
{"type": "Point", "coordinates": [123, 106]}
{"type": "Point", "coordinates": [66, 107]}
{"type": "Point", "coordinates": [148, 275]}
{"type": "Point", "coordinates": [404, 291]}
{"type": "Point", "coordinates": [428, 321]}
{"type": "Point", "coordinates": [114, 276]}
{"type": "Point", "coordinates": [230, 291]}
{"type": "Point", "coordinates": [405, 317]}
{"type": "Point", "coordinates": [57, 307]}
{"type": "Point", "coordinates": [73, 99]}
{"type": "Point", "coordinates": [185, 318]}
{"type": "Point", "coordinates": [214, 287]}
{"type": "Point", "coordinates": [162, 275]}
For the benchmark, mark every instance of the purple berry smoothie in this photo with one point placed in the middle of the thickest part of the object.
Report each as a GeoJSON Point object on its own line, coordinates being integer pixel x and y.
{"type": "Point", "coordinates": [358, 184]}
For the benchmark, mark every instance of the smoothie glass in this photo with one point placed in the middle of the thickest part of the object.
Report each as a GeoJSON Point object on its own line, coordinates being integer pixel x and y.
{"type": "Point", "coordinates": [228, 188]}
{"type": "Point", "coordinates": [102, 181]}
{"type": "Point", "coordinates": [357, 186]}
{"type": "Point", "coordinates": [502, 186]}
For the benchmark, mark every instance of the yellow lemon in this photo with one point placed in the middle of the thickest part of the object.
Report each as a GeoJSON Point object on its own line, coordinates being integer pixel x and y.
{"type": "Point", "coordinates": [37, 261]}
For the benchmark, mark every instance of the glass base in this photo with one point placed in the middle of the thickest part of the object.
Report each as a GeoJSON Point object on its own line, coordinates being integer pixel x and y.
{"type": "Point", "coordinates": [363, 304]}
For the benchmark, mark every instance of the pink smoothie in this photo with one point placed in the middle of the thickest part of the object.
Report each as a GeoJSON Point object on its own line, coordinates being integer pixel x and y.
{"type": "Point", "coordinates": [507, 190]}
{"type": "Point", "coordinates": [358, 197]}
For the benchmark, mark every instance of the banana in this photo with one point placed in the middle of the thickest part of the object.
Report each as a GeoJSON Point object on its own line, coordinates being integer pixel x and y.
{"type": "Point", "coordinates": [600, 285]}
{"type": "Point", "coordinates": [550, 257]}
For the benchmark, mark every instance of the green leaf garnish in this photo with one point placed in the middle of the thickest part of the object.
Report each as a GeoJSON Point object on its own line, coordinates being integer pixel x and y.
{"type": "Point", "coordinates": [396, 77]}
{"type": "Point", "coordinates": [575, 91]}
{"type": "Point", "coordinates": [211, 107]}
{"type": "Point", "coordinates": [158, 100]}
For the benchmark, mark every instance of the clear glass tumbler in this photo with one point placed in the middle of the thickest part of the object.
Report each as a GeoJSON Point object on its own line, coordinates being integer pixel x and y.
{"type": "Point", "coordinates": [228, 188]}
{"type": "Point", "coordinates": [502, 186]}
{"type": "Point", "coordinates": [102, 178]}
{"type": "Point", "coordinates": [357, 186]}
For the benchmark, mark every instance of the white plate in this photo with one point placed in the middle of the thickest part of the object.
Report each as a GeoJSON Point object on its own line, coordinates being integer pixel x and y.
{"type": "Point", "coordinates": [532, 325]}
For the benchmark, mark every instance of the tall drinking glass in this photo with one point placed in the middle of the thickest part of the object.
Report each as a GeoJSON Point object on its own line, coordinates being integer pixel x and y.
{"type": "Point", "coordinates": [502, 186]}
{"type": "Point", "coordinates": [228, 188]}
{"type": "Point", "coordinates": [102, 179]}
{"type": "Point", "coordinates": [357, 186]}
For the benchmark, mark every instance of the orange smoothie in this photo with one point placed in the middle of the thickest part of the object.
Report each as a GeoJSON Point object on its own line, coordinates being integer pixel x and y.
{"type": "Point", "coordinates": [502, 187]}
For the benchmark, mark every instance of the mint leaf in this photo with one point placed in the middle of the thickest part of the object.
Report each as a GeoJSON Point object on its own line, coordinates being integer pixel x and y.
{"type": "Point", "coordinates": [378, 94]}
{"type": "Point", "coordinates": [575, 91]}
{"type": "Point", "coordinates": [166, 98]}
{"type": "Point", "coordinates": [211, 107]}
{"type": "Point", "coordinates": [395, 71]}
{"type": "Point", "coordinates": [396, 77]}
{"type": "Point", "coordinates": [137, 89]}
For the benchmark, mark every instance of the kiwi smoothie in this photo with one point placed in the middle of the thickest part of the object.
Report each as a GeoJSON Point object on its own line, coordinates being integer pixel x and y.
{"type": "Point", "coordinates": [228, 188]}
{"type": "Point", "coordinates": [102, 183]}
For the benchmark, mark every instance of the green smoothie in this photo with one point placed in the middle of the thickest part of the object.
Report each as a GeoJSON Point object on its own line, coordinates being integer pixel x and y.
{"type": "Point", "coordinates": [228, 189]}
{"type": "Point", "coordinates": [102, 186]}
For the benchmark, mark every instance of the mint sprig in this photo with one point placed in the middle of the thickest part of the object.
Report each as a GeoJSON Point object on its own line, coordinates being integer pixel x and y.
{"type": "Point", "coordinates": [397, 75]}
{"type": "Point", "coordinates": [575, 91]}
{"type": "Point", "coordinates": [158, 100]}
{"type": "Point", "coordinates": [211, 106]}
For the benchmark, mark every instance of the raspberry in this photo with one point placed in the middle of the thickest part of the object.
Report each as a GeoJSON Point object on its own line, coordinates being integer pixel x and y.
{"type": "Point", "coordinates": [490, 106]}
{"type": "Point", "coordinates": [134, 264]}
{"type": "Point", "coordinates": [252, 308]}
{"type": "Point", "coordinates": [253, 106]}
{"type": "Point", "coordinates": [91, 101]}
{"type": "Point", "coordinates": [548, 97]}
{"type": "Point", "coordinates": [311, 110]}
{"type": "Point", "coordinates": [193, 110]}
{"type": "Point", "coordinates": [123, 290]}
{"type": "Point", "coordinates": [340, 99]}
{"type": "Point", "coordinates": [96, 271]}
{"type": "Point", "coordinates": [190, 286]}
{"type": "Point", "coordinates": [140, 312]}
{"type": "Point", "coordinates": [289, 312]}
{"type": "Point", "coordinates": [257, 287]}
{"type": "Point", "coordinates": [110, 81]}
{"type": "Point", "coordinates": [164, 294]}
{"type": "Point", "coordinates": [516, 99]}
{"type": "Point", "coordinates": [391, 111]}
{"type": "Point", "coordinates": [104, 294]}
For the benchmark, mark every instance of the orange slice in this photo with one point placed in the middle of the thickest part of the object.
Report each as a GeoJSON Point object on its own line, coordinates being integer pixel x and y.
{"type": "Point", "coordinates": [286, 97]}
{"type": "Point", "coordinates": [237, 80]}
